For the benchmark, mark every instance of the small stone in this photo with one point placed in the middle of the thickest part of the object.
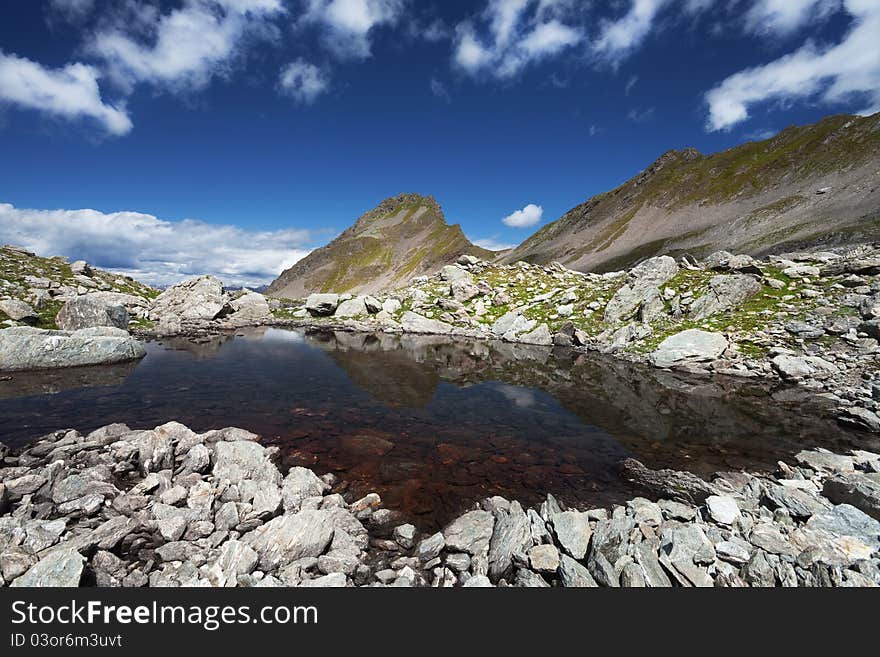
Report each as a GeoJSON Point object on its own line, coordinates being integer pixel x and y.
{"type": "Point", "coordinates": [723, 509]}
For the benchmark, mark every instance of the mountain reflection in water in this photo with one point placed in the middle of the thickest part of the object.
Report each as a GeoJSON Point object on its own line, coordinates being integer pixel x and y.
{"type": "Point", "coordinates": [433, 424]}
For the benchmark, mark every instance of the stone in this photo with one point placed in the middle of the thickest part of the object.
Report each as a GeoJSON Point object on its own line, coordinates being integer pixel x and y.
{"type": "Point", "coordinates": [321, 305]}
{"type": "Point", "coordinates": [857, 490]}
{"type": "Point", "coordinates": [236, 559]}
{"type": "Point", "coordinates": [197, 299]}
{"type": "Point", "coordinates": [723, 509]}
{"type": "Point", "coordinates": [539, 336]}
{"type": "Point", "coordinates": [798, 503]}
{"type": "Point", "coordinates": [334, 580]}
{"type": "Point", "coordinates": [372, 304]}
{"type": "Point", "coordinates": [90, 310]}
{"type": "Point", "coordinates": [611, 537]}
{"type": "Point", "coordinates": [244, 460]}
{"type": "Point", "coordinates": [725, 292]}
{"type": "Point", "coordinates": [249, 309]}
{"type": "Point", "coordinates": [512, 323]}
{"type": "Point", "coordinates": [641, 280]}
{"type": "Point", "coordinates": [574, 575]}
{"type": "Point", "coordinates": [173, 527]}
{"type": "Point", "coordinates": [478, 581]}
{"type": "Point", "coordinates": [665, 483]}
{"type": "Point", "coordinates": [431, 547]}
{"type": "Point", "coordinates": [405, 536]}
{"type": "Point", "coordinates": [351, 308]}
{"type": "Point", "coordinates": [299, 485]}
{"type": "Point", "coordinates": [18, 310]}
{"type": "Point", "coordinates": [470, 532]}
{"type": "Point", "coordinates": [453, 273]}
{"type": "Point", "coordinates": [511, 536]}
{"type": "Point", "coordinates": [847, 520]}
{"type": "Point", "coordinates": [391, 306]}
{"type": "Point", "coordinates": [61, 568]}
{"type": "Point", "coordinates": [27, 348]}
{"type": "Point", "coordinates": [686, 543]}
{"type": "Point", "coordinates": [544, 558]}
{"type": "Point", "coordinates": [412, 322]}
{"type": "Point", "coordinates": [525, 578]}
{"type": "Point", "coordinates": [861, 418]}
{"type": "Point", "coordinates": [290, 537]}
{"type": "Point", "coordinates": [796, 368]}
{"type": "Point", "coordinates": [689, 346]}
{"type": "Point", "coordinates": [572, 529]}
{"type": "Point", "coordinates": [732, 552]}
{"type": "Point", "coordinates": [632, 576]}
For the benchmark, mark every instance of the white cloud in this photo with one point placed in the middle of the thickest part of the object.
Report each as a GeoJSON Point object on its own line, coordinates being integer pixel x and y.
{"type": "Point", "coordinates": [528, 216]}
{"type": "Point", "coordinates": [303, 82]}
{"type": "Point", "coordinates": [786, 16]}
{"type": "Point", "coordinates": [619, 38]}
{"type": "Point", "coordinates": [517, 33]}
{"type": "Point", "coordinates": [155, 251]}
{"type": "Point", "coordinates": [637, 115]}
{"type": "Point", "coordinates": [71, 92]}
{"type": "Point", "coordinates": [630, 84]}
{"type": "Point", "coordinates": [186, 47]}
{"type": "Point", "coordinates": [72, 10]}
{"type": "Point", "coordinates": [493, 244]}
{"type": "Point", "coordinates": [348, 24]}
{"type": "Point", "coordinates": [846, 72]}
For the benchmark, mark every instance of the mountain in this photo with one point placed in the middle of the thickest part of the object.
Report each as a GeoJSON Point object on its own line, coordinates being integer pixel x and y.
{"type": "Point", "coordinates": [403, 237]}
{"type": "Point", "coordinates": [806, 186]}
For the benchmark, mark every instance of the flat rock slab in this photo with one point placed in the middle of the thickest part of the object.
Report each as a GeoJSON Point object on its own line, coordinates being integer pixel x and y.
{"type": "Point", "coordinates": [24, 348]}
{"type": "Point", "coordinates": [690, 346]}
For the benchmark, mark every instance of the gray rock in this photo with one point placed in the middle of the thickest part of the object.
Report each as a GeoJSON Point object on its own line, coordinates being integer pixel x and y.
{"type": "Point", "coordinates": [470, 532]}
{"type": "Point", "coordinates": [632, 576]}
{"type": "Point", "coordinates": [26, 348]}
{"type": "Point", "coordinates": [572, 529]}
{"type": "Point", "coordinates": [796, 368]}
{"type": "Point", "coordinates": [90, 310]}
{"type": "Point", "coordinates": [723, 509]}
{"type": "Point", "coordinates": [856, 490]}
{"type": "Point", "coordinates": [525, 578]}
{"type": "Point", "coordinates": [861, 418]}
{"type": "Point", "coordinates": [478, 581]}
{"type": "Point", "coordinates": [300, 484]}
{"type": "Point", "coordinates": [351, 308]}
{"type": "Point", "coordinates": [197, 299]}
{"type": "Point", "coordinates": [334, 580]}
{"type": "Point", "coordinates": [18, 310]}
{"type": "Point", "coordinates": [291, 537]}
{"type": "Point", "coordinates": [412, 322]}
{"type": "Point", "coordinates": [510, 536]}
{"type": "Point", "coordinates": [847, 520]}
{"type": "Point", "coordinates": [798, 503]}
{"type": "Point", "coordinates": [61, 568]}
{"type": "Point", "coordinates": [574, 575]}
{"type": "Point", "coordinates": [602, 570]}
{"type": "Point", "coordinates": [321, 305]}
{"type": "Point", "coordinates": [405, 536]}
{"type": "Point", "coordinates": [539, 336]}
{"type": "Point", "coordinates": [686, 543]}
{"type": "Point", "coordinates": [725, 292]}
{"type": "Point", "coordinates": [249, 309]}
{"type": "Point", "coordinates": [431, 547]}
{"type": "Point", "coordinates": [732, 552]}
{"type": "Point", "coordinates": [544, 558]}
{"type": "Point", "coordinates": [611, 537]}
{"type": "Point", "coordinates": [648, 275]}
{"type": "Point", "coordinates": [512, 323]}
{"type": "Point", "coordinates": [453, 273]}
{"type": "Point", "coordinates": [655, 576]}
{"type": "Point", "coordinates": [244, 460]}
{"type": "Point", "coordinates": [236, 559]}
{"type": "Point", "coordinates": [689, 346]}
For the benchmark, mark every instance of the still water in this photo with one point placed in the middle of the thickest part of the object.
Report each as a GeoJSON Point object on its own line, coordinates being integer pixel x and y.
{"type": "Point", "coordinates": [430, 423]}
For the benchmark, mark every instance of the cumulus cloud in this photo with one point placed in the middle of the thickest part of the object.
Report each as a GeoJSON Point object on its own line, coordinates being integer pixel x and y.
{"type": "Point", "coordinates": [71, 92]}
{"type": "Point", "coordinates": [786, 16]}
{"type": "Point", "coordinates": [186, 47]}
{"type": "Point", "coordinates": [348, 24]}
{"type": "Point", "coordinates": [303, 82]}
{"type": "Point", "coordinates": [493, 244]}
{"type": "Point", "coordinates": [528, 216]}
{"type": "Point", "coordinates": [619, 38]}
{"type": "Point", "coordinates": [71, 10]}
{"type": "Point", "coordinates": [511, 34]}
{"type": "Point", "coordinates": [848, 71]}
{"type": "Point", "coordinates": [152, 250]}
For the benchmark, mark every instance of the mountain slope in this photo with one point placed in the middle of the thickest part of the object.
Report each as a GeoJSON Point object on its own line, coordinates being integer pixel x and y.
{"type": "Point", "coordinates": [755, 198]}
{"type": "Point", "coordinates": [402, 237]}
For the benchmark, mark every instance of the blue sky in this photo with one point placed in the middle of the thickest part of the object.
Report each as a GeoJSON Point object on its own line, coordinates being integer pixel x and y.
{"type": "Point", "coordinates": [172, 138]}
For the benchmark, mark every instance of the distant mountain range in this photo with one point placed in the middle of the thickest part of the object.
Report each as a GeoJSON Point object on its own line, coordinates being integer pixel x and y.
{"type": "Point", "coordinates": [806, 186]}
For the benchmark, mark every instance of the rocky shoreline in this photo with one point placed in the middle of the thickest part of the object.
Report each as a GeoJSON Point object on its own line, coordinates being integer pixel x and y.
{"type": "Point", "coordinates": [170, 507]}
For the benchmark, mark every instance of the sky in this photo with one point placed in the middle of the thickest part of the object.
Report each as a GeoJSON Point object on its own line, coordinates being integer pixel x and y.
{"type": "Point", "coordinates": [171, 138]}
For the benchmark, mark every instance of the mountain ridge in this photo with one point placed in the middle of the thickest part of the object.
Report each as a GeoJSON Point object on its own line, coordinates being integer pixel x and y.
{"type": "Point", "coordinates": [754, 198]}
{"type": "Point", "coordinates": [404, 236]}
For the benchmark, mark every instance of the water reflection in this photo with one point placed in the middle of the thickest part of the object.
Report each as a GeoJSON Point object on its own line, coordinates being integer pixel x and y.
{"type": "Point", "coordinates": [434, 425]}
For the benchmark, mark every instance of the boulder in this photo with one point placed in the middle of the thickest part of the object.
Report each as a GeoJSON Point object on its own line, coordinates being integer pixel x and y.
{"type": "Point", "coordinates": [572, 529]}
{"type": "Point", "coordinates": [90, 310]}
{"type": "Point", "coordinates": [60, 568]}
{"type": "Point", "coordinates": [796, 368]}
{"type": "Point", "coordinates": [26, 348]}
{"type": "Point", "coordinates": [18, 310]}
{"type": "Point", "coordinates": [453, 273]}
{"type": "Point", "coordinates": [511, 536]}
{"type": "Point", "coordinates": [412, 322]}
{"type": "Point", "coordinates": [640, 281]}
{"type": "Point", "coordinates": [249, 309]}
{"type": "Point", "coordinates": [197, 299]}
{"type": "Point", "coordinates": [351, 308]}
{"type": "Point", "coordinates": [470, 533]}
{"type": "Point", "coordinates": [725, 292]}
{"type": "Point", "coordinates": [857, 490]}
{"type": "Point", "coordinates": [690, 346]}
{"type": "Point", "coordinates": [290, 537]}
